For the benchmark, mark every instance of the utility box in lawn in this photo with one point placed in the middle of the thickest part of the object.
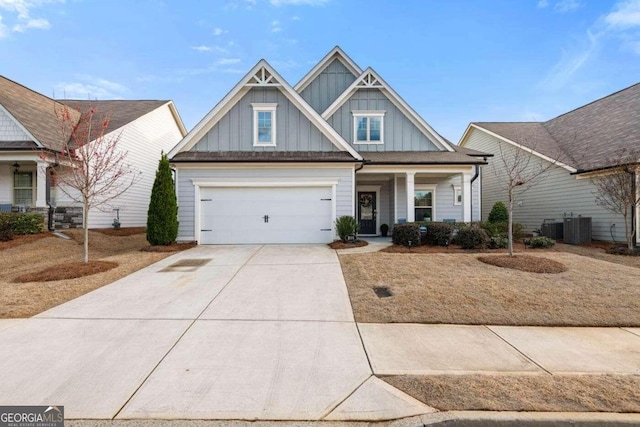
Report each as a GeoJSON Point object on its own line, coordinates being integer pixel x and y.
{"type": "Point", "coordinates": [577, 230]}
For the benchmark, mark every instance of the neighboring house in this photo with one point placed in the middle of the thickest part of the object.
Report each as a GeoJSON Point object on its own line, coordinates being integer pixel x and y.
{"type": "Point", "coordinates": [30, 142]}
{"type": "Point", "coordinates": [272, 163]}
{"type": "Point", "coordinates": [580, 143]}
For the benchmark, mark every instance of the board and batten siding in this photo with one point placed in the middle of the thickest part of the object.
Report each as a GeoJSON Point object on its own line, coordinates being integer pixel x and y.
{"type": "Point", "coordinates": [384, 209]}
{"type": "Point", "coordinates": [234, 131]}
{"type": "Point", "coordinates": [328, 86]}
{"type": "Point", "coordinates": [399, 133]}
{"type": "Point", "coordinates": [186, 189]}
{"type": "Point", "coordinates": [143, 140]}
{"type": "Point", "coordinates": [557, 195]}
{"type": "Point", "coordinates": [9, 129]}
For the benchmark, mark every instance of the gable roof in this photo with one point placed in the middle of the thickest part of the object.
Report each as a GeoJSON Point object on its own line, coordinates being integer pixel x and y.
{"type": "Point", "coordinates": [334, 54]}
{"type": "Point", "coordinates": [35, 112]}
{"type": "Point", "coordinates": [586, 138]}
{"type": "Point", "coordinates": [261, 75]}
{"type": "Point", "coordinates": [369, 79]}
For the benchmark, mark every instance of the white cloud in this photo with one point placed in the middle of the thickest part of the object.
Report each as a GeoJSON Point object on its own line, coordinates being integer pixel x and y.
{"type": "Point", "coordinates": [91, 88]}
{"type": "Point", "coordinates": [219, 31]}
{"type": "Point", "coordinates": [202, 48]}
{"type": "Point", "coordinates": [543, 3]}
{"type": "Point", "coordinates": [227, 61]}
{"type": "Point", "coordinates": [295, 18]}
{"type": "Point", "coordinates": [39, 23]}
{"type": "Point", "coordinates": [275, 27]}
{"type": "Point", "coordinates": [298, 2]}
{"type": "Point", "coordinates": [3, 29]}
{"type": "Point", "coordinates": [571, 62]}
{"type": "Point", "coordinates": [626, 14]}
{"type": "Point", "coordinates": [564, 6]}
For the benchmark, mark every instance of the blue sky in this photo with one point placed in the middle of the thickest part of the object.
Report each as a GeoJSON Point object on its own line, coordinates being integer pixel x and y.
{"type": "Point", "coordinates": [454, 61]}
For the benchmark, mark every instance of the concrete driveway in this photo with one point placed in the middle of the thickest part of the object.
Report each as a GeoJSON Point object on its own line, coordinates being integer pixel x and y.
{"type": "Point", "coordinates": [219, 332]}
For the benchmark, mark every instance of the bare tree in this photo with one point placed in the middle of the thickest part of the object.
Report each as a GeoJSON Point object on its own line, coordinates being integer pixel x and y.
{"type": "Point", "coordinates": [92, 169]}
{"type": "Point", "coordinates": [521, 171]}
{"type": "Point", "coordinates": [617, 192]}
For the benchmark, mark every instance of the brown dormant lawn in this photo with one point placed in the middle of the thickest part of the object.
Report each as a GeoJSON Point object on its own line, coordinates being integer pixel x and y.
{"type": "Point", "coordinates": [533, 392]}
{"type": "Point", "coordinates": [28, 299]}
{"type": "Point", "coordinates": [457, 288]}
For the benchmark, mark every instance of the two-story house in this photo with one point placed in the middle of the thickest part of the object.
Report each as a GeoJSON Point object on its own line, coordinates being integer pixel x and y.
{"type": "Point", "coordinates": [275, 163]}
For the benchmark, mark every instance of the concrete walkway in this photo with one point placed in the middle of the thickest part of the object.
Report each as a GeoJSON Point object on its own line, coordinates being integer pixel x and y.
{"type": "Point", "coordinates": [236, 332]}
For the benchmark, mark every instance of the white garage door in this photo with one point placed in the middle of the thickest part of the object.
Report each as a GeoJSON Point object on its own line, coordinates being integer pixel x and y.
{"type": "Point", "coordinates": [265, 215]}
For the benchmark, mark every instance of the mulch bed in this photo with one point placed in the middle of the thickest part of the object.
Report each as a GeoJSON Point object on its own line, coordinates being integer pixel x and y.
{"type": "Point", "coordinates": [22, 239]}
{"type": "Point", "coordinates": [69, 270]}
{"type": "Point", "coordinates": [173, 247]}
{"type": "Point", "coordinates": [528, 263]}
{"type": "Point", "coordinates": [338, 244]}
{"type": "Point", "coordinates": [451, 249]}
{"type": "Point", "coordinates": [128, 231]}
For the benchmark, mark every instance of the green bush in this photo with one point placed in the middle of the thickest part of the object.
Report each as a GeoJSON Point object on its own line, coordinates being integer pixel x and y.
{"type": "Point", "coordinates": [6, 233]}
{"type": "Point", "coordinates": [499, 241]}
{"type": "Point", "coordinates": [162, 216]}
{"type": "Point", "coordinates": [623, 250]}
{"type": "Point", "coordinates": [438, 234]}
{"type": "Point", "coordinates": [405, 233]}
{"type": "Point", "coordinates": [501, 229]}
{"type": "Point", "coordinates": [539, 242]}
{"type": "Point", "coordinates": [22, 223]}
{"type": "Point", "coordinates": [472, 237]}
{"type": "Point", "coordinates": [499, 213]}
{"type": "Point", "coordinates": [346, 226]}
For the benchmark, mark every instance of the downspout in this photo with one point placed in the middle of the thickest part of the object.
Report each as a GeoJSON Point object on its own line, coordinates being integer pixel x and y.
{"type": "Point", "coordinates": [477, 174]}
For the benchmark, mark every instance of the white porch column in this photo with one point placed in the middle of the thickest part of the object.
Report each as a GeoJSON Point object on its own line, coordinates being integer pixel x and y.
{"type": "Point", "coordinates": [466, 197]}
{"type": "Point", "coordinates": [411, 211]}
{"type": "Point", "coordinates": [41, 184]}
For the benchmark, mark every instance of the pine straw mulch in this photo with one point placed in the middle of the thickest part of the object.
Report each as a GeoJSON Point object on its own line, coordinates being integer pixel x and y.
{"type": "Point", "coordinates": [69, 270]}
{"type": "Point", "coordinates": [531, 392]}
{"type": "Point", "coordinates": [451, 249]}
{"type": "Point", "coordinates": [531, 264]}
{"type": "Point", "coordinates": [22, 240]}
{"type": "Point", "coordinates": [338, 244]}
{"type": "Point", "coordinates": [122, 232]}
{"type": "Point", "coordinates": [173, 247]}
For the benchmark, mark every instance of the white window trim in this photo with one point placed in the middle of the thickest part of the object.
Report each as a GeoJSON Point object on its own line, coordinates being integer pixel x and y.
{"type": "Point", "coordinates": [365, 113]}
{"type": "Point", "coordinates": [457, 188]}
{"type": "Point", "coordinates": [422, 187]}
{"type": "Point", "coordinates": [33, 188]}
{"type": "Point", "coordinates": [259, 107]}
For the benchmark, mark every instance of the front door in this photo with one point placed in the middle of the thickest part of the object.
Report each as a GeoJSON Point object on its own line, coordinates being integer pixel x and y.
{"type": "Point", "coordinates": [367, 212]}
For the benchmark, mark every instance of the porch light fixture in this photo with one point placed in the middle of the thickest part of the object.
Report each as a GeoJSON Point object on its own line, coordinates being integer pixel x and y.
{"type": "Point", "coordinates": [16, 167]}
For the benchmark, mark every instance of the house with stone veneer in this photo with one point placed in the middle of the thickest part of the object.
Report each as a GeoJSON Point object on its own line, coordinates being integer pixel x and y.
{"type": "Point", "coordinates": [30, 144]}
{"type": "Point", "coordinates": [276, 163]}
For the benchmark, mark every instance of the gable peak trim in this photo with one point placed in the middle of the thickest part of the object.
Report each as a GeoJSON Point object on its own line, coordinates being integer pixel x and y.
{"type": "Point", "coordinates": [334, 54]}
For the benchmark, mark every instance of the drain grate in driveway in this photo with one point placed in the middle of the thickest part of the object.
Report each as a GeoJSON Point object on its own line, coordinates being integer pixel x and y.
{"type": "Point", "coordinates": [187, 264]}
{"type": "Point", "coordinates": [383, 292]}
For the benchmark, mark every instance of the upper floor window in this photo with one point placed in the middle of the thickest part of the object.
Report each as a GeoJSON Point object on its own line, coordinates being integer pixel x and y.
{"type": "Point", "coordinates": [264, 124]}
{"type": "Point", "coordinates": [368, 127]}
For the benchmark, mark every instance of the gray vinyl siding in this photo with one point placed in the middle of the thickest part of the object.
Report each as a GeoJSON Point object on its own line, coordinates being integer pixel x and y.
{"type": "Point", "coordinates": [294, 132]}
{"type": "Point", "coordinates": [444, 194]}
{"type": "Point", "coordinates": [401, 183]}
{"type": "Point", "coordinates": [384, 206]}
{"type": "Point", "coordinates": [553, 197]}
{"type": "Point", "coordinates": [328, 86]}
{"type": "Point", "coordinates": [400, 134]}
{"type": "Point", "coordinates": [475, 199]}
{"type": "Point", "coordinates": [186, 189]}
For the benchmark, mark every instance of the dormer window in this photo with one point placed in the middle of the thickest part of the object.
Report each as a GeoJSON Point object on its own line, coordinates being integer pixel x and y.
{"type": "Point", "coordinates": [368, 127]}
{"type": "Point", "coordinates": [264, 124]}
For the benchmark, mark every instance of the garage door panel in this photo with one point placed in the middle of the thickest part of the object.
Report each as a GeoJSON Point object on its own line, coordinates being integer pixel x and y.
{"type": "Point", "coordinates": [295, 215]}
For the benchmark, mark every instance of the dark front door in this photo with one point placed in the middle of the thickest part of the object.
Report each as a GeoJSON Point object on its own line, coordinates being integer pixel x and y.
{"type": "Point", "coordinates": [367, 212]}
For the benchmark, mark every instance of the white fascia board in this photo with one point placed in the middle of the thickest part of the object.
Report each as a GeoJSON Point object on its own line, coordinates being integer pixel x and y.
{"type": "Point", "coordinates": [22, 128]}
{"type": "Point", "coordinates": [177, 118]}
{"type": "Point", "coordinates": [265, 165]}
{"type": "Point", "coordinates": [409, 112]}
{"type": "Point", "coordinates": [466, 133]}
{"type": "Point", "coordinates": [522, 147]}
{"type": "Point", "coordinates": [335, 53]}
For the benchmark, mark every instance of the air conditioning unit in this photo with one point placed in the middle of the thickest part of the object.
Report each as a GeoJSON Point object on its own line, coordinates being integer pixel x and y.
{"type": "Point", "coordinates": [577, 230]}
{"type": "Point", "coordinates": [552, 229]}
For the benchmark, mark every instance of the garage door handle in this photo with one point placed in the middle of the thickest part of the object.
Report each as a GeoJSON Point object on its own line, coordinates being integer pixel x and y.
{"type": "Point", "coordinates": [205, 200]}
{"type": "Point", "coordinates": [327, 200]}
{"type": "Point", "coordinates": [205, 230]}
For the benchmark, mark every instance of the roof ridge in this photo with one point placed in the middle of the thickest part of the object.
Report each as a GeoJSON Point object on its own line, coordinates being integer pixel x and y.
{"type": "Point", "coordinates": [593, 102]}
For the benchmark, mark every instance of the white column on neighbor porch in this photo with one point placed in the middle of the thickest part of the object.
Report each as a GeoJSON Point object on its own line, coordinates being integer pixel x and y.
{"type": "Point", "coordinates": [41, 184]}
{"type": "Point", "coordinates": [466, 197]}
{"type": "Point", "coordinates": [637, 213]}
{"type": "Point", "coordinates": [411, 211]}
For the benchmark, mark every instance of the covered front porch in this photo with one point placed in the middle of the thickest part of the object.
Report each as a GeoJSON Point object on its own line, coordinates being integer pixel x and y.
{"type": "Point", "coordinates": [23, 182]}
{"type": "Point", "coordinates": [391, 195]}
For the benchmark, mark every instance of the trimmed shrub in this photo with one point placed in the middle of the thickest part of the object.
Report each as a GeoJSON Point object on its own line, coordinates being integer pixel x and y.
{"type": "Point", "coordinates": [346, 226]}
{"type": "Point", "coordinates": [500, 241]}
{"type": "Point", "coordinates": [473, 238]}
{"type": "Point", "coordinates": [501, 229]}
{"type": "Point", "coordinates": [162, 216]}
{"type": "Point", "coordinates": [499, 213]}
{"type": "Point", "coordinates": [22, 223]}
{"type": "Point", "coordinates": [6, 233]}
{"type": "Point", "coordinates": [438, 234]}
{"type": "Point", "coordinates": [539, 242]}
{"type": "Point", "coordinates": [623, 250]}
{"type": "Point", "coordinates": [405, 233]}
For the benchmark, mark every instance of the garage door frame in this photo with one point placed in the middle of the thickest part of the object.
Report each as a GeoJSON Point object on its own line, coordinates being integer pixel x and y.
{"type": "Point", "coordinates": [260, 183]}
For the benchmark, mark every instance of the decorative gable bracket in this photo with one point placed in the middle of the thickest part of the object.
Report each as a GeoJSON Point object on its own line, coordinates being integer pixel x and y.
{"type": "Point", "coordinates": [369, 81]}
{"type": "Point", "coordinates": [263, 78]}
